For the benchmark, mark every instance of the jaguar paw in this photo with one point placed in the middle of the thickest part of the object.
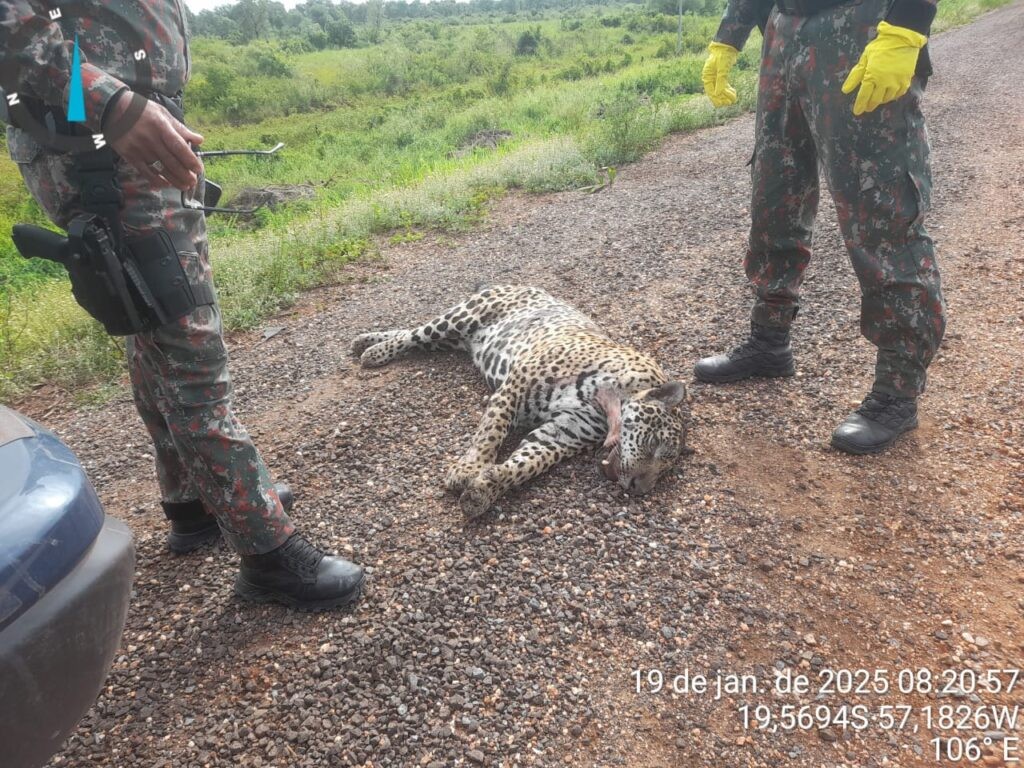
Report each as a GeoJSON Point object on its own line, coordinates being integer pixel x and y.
{"type": "Point", "coordinates": [461, 473]}
{"type": "Point", "coordinates": [363, 342]}
{"type": "Point", "coordinates": [379, 354]}
{"type": "Point", "coordinates": [480, 494]}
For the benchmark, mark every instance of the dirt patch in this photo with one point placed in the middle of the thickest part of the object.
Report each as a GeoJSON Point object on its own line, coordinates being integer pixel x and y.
{"type": "Point", "coordinates": [272, 196]}
{"type": "Point", "coordinates": [482, 140]}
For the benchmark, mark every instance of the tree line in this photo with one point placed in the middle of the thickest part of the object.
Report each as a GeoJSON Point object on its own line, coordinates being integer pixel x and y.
{"type": "Point", "coordinates": [319, 24]}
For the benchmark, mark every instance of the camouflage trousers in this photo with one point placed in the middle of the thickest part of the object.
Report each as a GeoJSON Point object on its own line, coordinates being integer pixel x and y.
{"type": "Point", "coordinates": [877, 169]}
{"type": "Point", "coordinates": [179, 372]}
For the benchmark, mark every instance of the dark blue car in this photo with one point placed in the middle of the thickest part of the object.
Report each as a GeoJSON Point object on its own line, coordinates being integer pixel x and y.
{"type": "Point", "coordinates": [65, 579]}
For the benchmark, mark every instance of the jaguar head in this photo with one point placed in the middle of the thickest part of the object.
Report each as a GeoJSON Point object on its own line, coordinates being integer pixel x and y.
{"type": "Point", "coordinates": [646, 434]}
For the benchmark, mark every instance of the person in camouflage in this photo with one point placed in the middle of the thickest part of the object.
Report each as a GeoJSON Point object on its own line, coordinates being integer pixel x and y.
{"type": "Point", "coordinates": [211, 476]}
{"type": "Point", "coordinates": [873, 152]}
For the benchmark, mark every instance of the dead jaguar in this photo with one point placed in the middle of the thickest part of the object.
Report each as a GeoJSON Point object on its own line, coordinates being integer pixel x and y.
{"type": "Point", "coordinates": [554, 371]}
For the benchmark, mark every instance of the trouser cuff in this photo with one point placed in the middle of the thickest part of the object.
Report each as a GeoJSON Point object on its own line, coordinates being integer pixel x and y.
{"type": "Point", "coordinates": [271, 536]}
{"type": "Point", "coordinates": [184, 511]}
{"type": "Point", "coordinates": [899, 377]}
{"type": "Point", "coordinates": [246, 534]}
{"type": "Point", "coordinates": [774, 315]}
{"type": "Point", "coordinates": [889, 388]}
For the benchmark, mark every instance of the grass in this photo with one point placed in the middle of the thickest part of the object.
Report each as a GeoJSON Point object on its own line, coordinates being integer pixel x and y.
{"type": "Point", "coordinates": [378, 131]}
{"type": "Point", "coordinates": [45, 336]}
{"type": "Point", "coordinates": [956, 13]}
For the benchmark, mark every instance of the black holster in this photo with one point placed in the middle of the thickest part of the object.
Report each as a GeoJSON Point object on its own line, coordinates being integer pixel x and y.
{"type": "Point", "coordinates": [132, 288]}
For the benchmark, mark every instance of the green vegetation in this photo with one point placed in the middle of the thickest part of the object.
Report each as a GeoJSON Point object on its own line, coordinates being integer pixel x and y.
{"type": "Point", "coordinates": [956, 13]}
{"type": "Point", "coordinates": [417, 130]}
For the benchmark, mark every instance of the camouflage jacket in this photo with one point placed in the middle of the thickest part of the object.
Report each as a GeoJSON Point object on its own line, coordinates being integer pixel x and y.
{"type": "Point", "coordinates": [741, 16]}
{"type": "Point", "coordinates": [36, 53]}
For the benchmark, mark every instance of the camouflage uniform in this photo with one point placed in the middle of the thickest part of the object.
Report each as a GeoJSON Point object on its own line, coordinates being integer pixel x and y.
{"type": "Point", "coordinates": [179, 372]}
{"type": "Point", "coordinates": [877, 169]}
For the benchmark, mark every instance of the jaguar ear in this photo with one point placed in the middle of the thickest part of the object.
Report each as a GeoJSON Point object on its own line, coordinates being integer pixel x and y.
{"type": "Point", "coordinates": [671, 394]}
{"type": "Point", "coordinates": [609, 400]}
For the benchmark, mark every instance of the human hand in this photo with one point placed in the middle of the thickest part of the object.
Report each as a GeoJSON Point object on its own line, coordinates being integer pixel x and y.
{"type": "Point", "coordinates": [157, 144]}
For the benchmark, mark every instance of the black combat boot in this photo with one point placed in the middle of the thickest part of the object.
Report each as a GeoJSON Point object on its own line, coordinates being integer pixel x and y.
{"type": "Point", "coordinates": [765, 354]}
{"type": "Point", "coordinates": [299, 575]}
{"type": "Point", "coordinates": [873, 427]}
{"type": "Point", "coordinates": [192, 526]}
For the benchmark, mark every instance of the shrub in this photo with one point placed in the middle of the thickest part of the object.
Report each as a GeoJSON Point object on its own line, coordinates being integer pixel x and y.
{"type": "Point", "coordinates": [688, 76]}
{"type": "Point", "coordinates": [243, 102]}
{"type": "Point", "coordinates": [340, 33]}
{"type": "Point", "coordinates": [651, 22]}
{"type": "Point", "coordinates": [317, 37]}
{"type": "Point", "coordinates": [270, 62]}
{"type": "Point", "coordinates": [689, 6]}
{"type": "Point", "coordinates": [501, 84]}
{"type": "Point", "coordinates": [295, 45]}
{"type": "Point", "coordinates": [390, 71]}
{"type": "Point", "coordinates": [666, 49]}
{"type": "Point", "coordinates": [528, 42]}
{"type": "Point", "coordinates": [211, 85]}
{"type": "Point", "coordinates": [625, 129]}
{"type": "Point", "coordinates": [574, 72]}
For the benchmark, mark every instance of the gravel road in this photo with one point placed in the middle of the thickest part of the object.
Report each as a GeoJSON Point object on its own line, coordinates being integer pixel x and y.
{"type": "Point", "coordinates": [513, 641]}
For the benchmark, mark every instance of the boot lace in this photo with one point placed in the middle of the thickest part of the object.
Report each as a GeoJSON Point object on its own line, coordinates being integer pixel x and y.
{"type": "Point", "coordinates": [750, 348]}
{"type": "Point", "coordinates": [302, 554]}
{"type": "Point", "coordinates": [885, 409]}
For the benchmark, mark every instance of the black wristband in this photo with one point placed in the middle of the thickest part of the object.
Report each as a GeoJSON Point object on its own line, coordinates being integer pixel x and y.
{"type": "Point", "coordinates": [109, 106]}
{"type": "Point", "coordinates": [913, 14]}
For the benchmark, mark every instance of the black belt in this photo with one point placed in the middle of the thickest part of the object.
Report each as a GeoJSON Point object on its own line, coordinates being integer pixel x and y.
{"type": "Point", "coordinates": [806, 7]}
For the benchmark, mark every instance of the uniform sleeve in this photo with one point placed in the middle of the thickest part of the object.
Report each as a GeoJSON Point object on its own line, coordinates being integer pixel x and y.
{"type": "Point", "coordinates": [913, 14]}
{"type": "Point", "coordinates": [42, 68]}
{"type": "Point", "coordinates": [740, 17]}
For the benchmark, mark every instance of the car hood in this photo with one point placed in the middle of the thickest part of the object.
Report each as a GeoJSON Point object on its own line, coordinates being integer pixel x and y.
{"type": "Point", "coordinates": [49, 513]}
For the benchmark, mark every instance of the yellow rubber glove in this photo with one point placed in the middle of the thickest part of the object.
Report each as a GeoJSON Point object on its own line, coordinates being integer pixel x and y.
{"type": "Point", "coordinates": [885, 68]}
{"type": "Point", "coordinates": [721, 58]}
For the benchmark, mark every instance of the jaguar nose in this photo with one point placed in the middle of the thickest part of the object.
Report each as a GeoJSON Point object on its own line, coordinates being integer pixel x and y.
{"type": "Point", "coordinates": [637, 485]}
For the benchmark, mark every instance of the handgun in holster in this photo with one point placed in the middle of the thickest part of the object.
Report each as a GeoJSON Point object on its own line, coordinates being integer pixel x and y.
{"type": "Point", "coordinates": [129, 284]}
{"type": "Point", "coordinates": [134, 289]}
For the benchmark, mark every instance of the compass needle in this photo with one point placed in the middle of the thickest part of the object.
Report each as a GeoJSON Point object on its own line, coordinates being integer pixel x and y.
{"type": "Point", "coordinates": [76, 95]}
